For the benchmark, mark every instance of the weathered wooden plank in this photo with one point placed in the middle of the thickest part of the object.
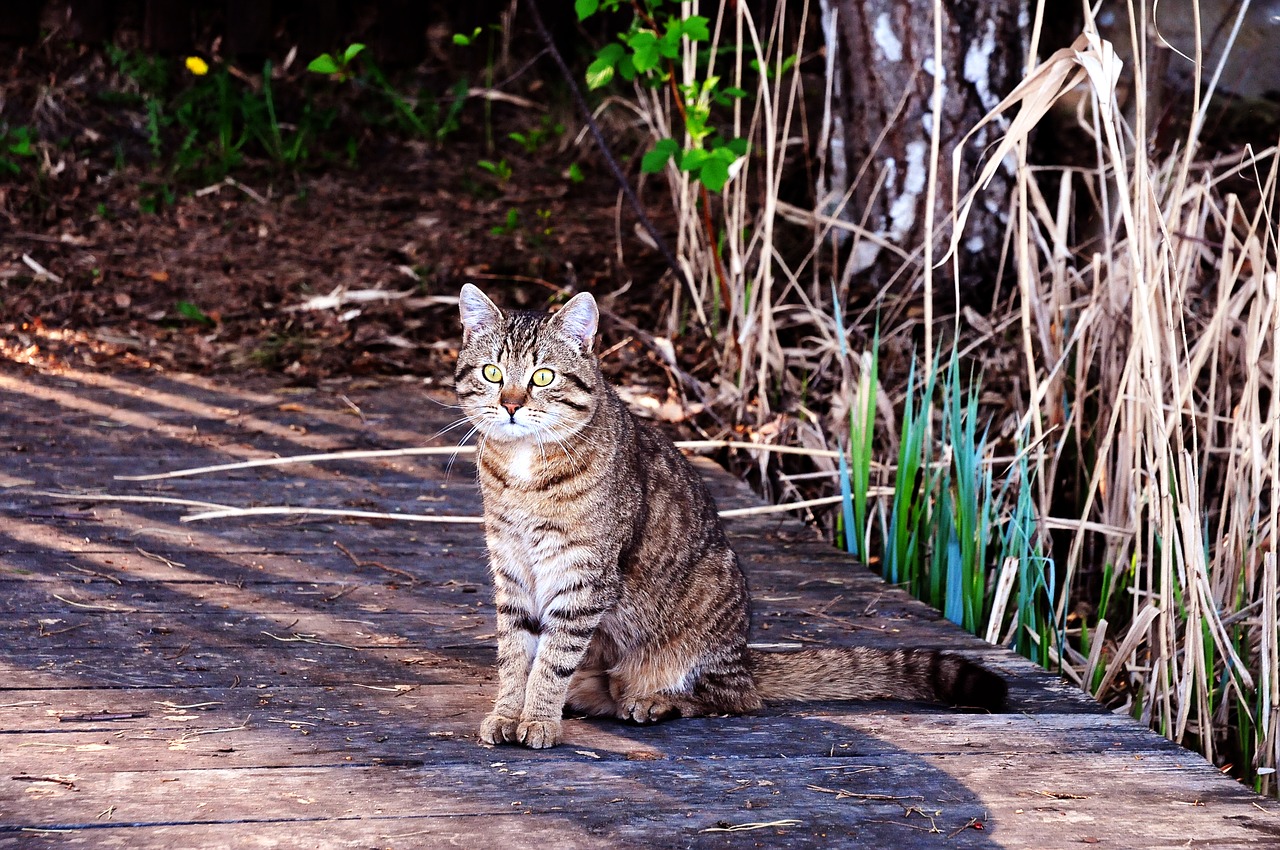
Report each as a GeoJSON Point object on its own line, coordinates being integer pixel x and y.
{"type": "Point", "coordinates": [77, 730]}
{"type": "Point", "coordinates": [436, 564]}
{"type": "Point", "coordinates": [1017, 805]}
{"type": "Point", "coordinates": [430, 625]}
{"type": "Point", "coordinates": [370, 740]}
{"type": "Point", "coordinates": [515, 830]}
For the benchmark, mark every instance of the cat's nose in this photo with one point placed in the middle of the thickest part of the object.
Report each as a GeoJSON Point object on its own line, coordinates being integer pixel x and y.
{"type": "Point", "coordinates": [512, 407]}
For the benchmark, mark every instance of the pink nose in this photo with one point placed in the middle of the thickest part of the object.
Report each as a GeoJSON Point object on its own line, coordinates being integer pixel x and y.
{"type": "Point", "coordinates": [512, 407]}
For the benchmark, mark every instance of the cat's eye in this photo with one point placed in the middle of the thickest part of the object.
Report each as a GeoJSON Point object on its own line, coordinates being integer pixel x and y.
{"type": "Point", "coordinates": [492, 373]}
{"type": "Point", "coordinates": [542, 377]}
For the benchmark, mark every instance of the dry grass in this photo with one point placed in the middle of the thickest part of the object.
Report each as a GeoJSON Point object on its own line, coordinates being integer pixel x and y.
{"type": "Point", "coordinates": [1145, 324]}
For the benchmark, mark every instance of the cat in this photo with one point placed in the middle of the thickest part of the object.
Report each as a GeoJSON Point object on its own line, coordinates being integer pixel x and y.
{"type": "Point", "coordinates": [617, 592]}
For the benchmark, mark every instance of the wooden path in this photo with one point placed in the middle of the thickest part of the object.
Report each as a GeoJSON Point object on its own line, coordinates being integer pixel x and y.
{"type": "Point", "coordinates": [286, 682]}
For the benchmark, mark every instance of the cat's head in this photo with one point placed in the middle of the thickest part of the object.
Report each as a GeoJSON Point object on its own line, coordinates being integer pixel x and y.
{"type": "Point", "coordinates": [527, 376]}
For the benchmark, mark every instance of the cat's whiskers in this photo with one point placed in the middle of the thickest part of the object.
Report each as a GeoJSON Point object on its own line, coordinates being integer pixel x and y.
{"type": "Point", "coordinates": [444, 404]}
{"type": "Point", "coordinates": [448, 468]}
{"type": "Point", "coordinates": [446, 429]}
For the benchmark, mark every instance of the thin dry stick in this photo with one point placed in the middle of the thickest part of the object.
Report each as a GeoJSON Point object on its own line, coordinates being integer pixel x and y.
{"type": "Point", "coordinates": [283, 510]}
{"type": "Point", "coordinates": [286, 510]}
{"type": "Point", "coordinates": [360, 454]}
{"type": "Point", "coordinates": [364, 454]}
{"type": "Point", "coordinates": [796, 506]}
{"type": "Point", "coordinates": [110, 497]}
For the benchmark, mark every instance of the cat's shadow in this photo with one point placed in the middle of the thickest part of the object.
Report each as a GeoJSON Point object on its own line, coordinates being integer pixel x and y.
{"type": "Point", "coordinates": [888, 774]}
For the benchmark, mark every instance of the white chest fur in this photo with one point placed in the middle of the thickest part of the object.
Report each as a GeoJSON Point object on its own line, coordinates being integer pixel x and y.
{"type": "Point", "coordinates": [521, 464]}
{"type": "Point", "coordinates": [542, 563]}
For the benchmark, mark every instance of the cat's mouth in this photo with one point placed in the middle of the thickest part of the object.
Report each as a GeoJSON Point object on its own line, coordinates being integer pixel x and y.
{"type": "Point", "coordinates": [509, 429]}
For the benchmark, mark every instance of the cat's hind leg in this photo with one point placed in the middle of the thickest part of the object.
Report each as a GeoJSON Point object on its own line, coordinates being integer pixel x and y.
{"type": "Point", "coordinates": [589, 693]}
{"type": "Point", "coordinates": [718, 688]}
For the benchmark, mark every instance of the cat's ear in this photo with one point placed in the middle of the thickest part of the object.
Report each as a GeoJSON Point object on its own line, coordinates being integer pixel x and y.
{"type": "Point", "coordinates": [478, 312]}
{"type": "Point", "coordinates": [577, 321]}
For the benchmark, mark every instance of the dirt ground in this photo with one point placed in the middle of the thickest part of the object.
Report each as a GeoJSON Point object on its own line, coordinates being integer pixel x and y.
{"type": "Point", "coordinates": [331, 271]}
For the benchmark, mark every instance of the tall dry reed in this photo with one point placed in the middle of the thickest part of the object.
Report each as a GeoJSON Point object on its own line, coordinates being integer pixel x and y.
{"type": "Point", "coordinates": [1144, 323]}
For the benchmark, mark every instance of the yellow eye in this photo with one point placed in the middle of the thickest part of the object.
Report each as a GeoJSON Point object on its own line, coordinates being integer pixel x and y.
{"type": "Point", "coordinates": [492, 373]}
{"type": "Point", "coordinates": [542, 377]}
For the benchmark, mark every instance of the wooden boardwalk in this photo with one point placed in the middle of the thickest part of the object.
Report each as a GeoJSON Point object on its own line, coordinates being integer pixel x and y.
{"type": "Point", "coordinates": [287, 682]}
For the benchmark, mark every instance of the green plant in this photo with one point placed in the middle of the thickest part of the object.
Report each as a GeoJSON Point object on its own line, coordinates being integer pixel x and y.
{"type": "Point", "coordinates": [205, 127]}
{"type": "Point", "coordinates": [465, 40]}
{"type": "Point", "coordinates": [533, 140]}
{"type": "Point", "coordinates": [15, 143]}
{"type": "Point", "coordinates": [500, 169]}
{"type": "Point", "coordinates": [648, 51]}
{"type": "Point", "coordinates": [337, 67]}
{"type": "Point", "coordinates": [191, 312]}
{"type": "Point", "coordinates": [855, 468]}
{"type": "Point", "coordinates": [149, 78]}
{"type": "Point", "coordinates": [510, 226]}
{"type": "Point", "coordinates": [544, 222]}
{"type": "Point", "coordinates": [422, 116]}
{"type": "Point", "coordinates": [154, 197]}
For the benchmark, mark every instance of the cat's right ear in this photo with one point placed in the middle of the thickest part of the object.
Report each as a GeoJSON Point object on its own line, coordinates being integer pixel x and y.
{"type": "Point", "coordinates": [578, 320]}
{"type": "Point", "coordinates": [478, 312]}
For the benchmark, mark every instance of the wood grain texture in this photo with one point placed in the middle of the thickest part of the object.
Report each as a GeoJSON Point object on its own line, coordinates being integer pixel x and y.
{"type": "Point", "coordinates": [290, 683]}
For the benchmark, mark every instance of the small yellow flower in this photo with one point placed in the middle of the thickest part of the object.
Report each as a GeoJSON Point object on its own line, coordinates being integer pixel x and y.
{"type": "Point", "coordinates": [197, 66]}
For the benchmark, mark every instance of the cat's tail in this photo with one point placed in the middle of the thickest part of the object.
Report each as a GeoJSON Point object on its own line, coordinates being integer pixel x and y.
{"type": "Point", "coordinates": [867, 673]}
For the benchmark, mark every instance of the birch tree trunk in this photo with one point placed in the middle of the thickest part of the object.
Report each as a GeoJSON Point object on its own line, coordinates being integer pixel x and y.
{"type": "Point", "coordinates": [881, 68]}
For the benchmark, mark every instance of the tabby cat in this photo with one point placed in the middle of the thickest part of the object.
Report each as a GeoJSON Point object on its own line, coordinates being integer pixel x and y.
{"type": "Point", "coordinates": [617, 592]}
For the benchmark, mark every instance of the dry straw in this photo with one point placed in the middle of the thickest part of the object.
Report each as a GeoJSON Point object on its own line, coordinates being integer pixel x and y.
{"type": "Point", "coordinates": [1145, 324]}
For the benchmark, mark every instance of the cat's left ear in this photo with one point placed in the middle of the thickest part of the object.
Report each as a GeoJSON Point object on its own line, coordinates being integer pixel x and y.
{"type": "Point", "coordinates": [478, 312]}
{"type": "Point", "coordinates": [577, 321]}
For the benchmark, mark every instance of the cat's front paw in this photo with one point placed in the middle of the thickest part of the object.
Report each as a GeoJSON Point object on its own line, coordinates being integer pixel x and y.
{"type": "Point", "coordinates": [498, 729]}
{"type": "Point", "coordinates": [649, 709]}
{"type": "Point", "coordinates": [539, 734]}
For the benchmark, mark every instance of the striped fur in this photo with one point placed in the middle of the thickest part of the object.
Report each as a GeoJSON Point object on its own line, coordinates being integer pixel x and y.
{"type": "Point", "coordinates": [617, 592]}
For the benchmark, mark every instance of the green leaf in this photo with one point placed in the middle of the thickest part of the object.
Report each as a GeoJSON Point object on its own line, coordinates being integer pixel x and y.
{"type": "Point", "coordinates": [575, 173]}
{"type": "Point", "coordinates": [645, 50]}
{"type": "Point", "coordinates": [726, 96]}
{"type": "Point", "coordinates": [627, 68]}
{"type": "Point", "coordinates": [695, 28]}
{"type": "Point", "coordinates": [600, 72]}
{"type": "Point", "coordinates": [187, 310]}
{"type": "Point", "coordinates": [669, 44]}
{"type": "Point", "coordinates": [738, 146]}
{"type": "Point", "coordinates": [323, 64]}
{"type": "Point", "coordinates": [351, 52]}
{"type": "Point", "coordinates": [464, 40]}
{"type": "Point", "coordinates": [656, 159]}
{"type": "Point", "coordinates": [714, 174]}
{"type": "Point", "coordinates": [694, 159]}
{"type": "Point", "coordinates": [586, 8]}
{"type": "Point", "coordinates": [723, 153]}
{"type": "Point", "coordinates": [20, 142]}
{"type": "Point", "coordinates": [612, 53]}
